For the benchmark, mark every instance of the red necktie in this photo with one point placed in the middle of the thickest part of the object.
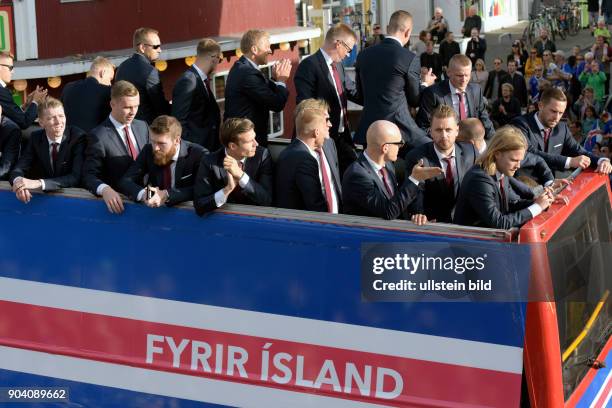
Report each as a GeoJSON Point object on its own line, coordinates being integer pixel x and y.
{"type": "Point", "coordinates": [207, 83]}
{"type": "Point", "coordinates": [450, 181]}
{"type": "Point", "coordinates": [340, 90]}
{"type": "Point", "coordinates": [503, 193]}
{"type": "Point", "coordinates": [167, 177]}
{"type": "Point", "coordinates": [54, 154]}
{"type": "Point", "coordinates": [128, 142]}
{"type": "Point", "coordinates": [462, 114]}
{"type": "Point", "coordinates": [546, 137]}
{"type": "Point", "coordinates": [385, 176]}
{"type": "Point", "coordinates": [326, 181]}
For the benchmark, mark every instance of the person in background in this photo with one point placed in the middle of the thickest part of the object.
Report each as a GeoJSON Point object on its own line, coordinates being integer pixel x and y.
{"type": "Point", "coordinates": [544, 43]}
{"type": "Point", "coordinates": [497, 76]}
{"type": "Point", "coordinates": [587, 98]}
{"type": "Point", "coordinates": [602, 30]}
{"type": "Point", "coordinates": [472, 20]}
{"type": "Point", "coordinates": [448, 48]}
{"type": "Point", "coordinates": [519, 56]}
{"type": "Point", "coordinates": [531, 63]}
{"type": "Point", "coordinates": [472, 131]}
{"type": "Point", "coordinates": [595, 79]}
{"type": "Point", "coordinates": [476, 47]}
{"type": "Point", "coordinates": [518, 82]}
{"type": "Point", "coordinates": [438, 26]}
{"type": "Point", "coordinates": [480, 75]}
{"type": "Point", "coordinates": [377, 36]}
{"type": "Point", "coordinates": [420, 46]}
{"type": "Point", "coordinates": [506, 107]}
{"type": "Point", "coordinates": [432, 61]}
{"type": "Point", "coordinates": [87, 101]}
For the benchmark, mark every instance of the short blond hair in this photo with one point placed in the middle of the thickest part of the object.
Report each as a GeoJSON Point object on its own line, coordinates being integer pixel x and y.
{"type": "Point", "coordinates": [121, 89]}
{"type": "Point", "coordinates": [459, 61]}
{"type": "Point", "coordinates": [251, 38]}
{"type": "Point", "coordinates": [49, 103]}
{"type": "Point", "coordinates": [311, 103]}
{"type": "Point", "coordinates": [141, 34]}
{"type": "Point", "coordinates": [506, 139]}
{"type": "Point", "coordinates": [338, 32]}
{"type": "Point", "coordinates": [443, 111]}
{"type": "Point", "coordinates": [470, 129]}
{"type": "Point", "coordinates": [100, 63]}
{"type": "Point", "coordinates": [207, 46]}
{"type": "Point", "coordinates": [309, 119]}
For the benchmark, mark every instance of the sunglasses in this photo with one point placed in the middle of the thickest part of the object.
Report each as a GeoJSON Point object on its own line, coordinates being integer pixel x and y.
{"type": "Point", "coordinates": [345, 45]}
{"type": "Point", "coordinates": [154, 46]}
{"type": "Point", "coordinates": [10, 67]}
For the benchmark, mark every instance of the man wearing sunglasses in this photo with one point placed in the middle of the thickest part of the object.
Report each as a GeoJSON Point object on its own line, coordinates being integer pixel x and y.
{"type": "Point", "coordinates": [193, 100]}
{"type": "Point", "coordinates": [322, 76]}
{"type": "Point", "coordinates": [369, 186]}
{"type": "Point", "coordinates": [138, 70]}
{"type": "Point", "coordinates": [22, 118]}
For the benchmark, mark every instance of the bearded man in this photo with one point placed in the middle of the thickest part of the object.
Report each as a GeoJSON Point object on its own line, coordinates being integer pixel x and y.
{"type": "Point", "coordinates": [169, 164]}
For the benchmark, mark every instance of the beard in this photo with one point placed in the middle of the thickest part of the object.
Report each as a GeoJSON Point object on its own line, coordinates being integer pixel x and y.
{"type": "Point", "coordinates": [163, 159]}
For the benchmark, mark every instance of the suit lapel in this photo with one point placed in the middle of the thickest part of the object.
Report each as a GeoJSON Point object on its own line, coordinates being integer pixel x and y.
{"type": "Point", "coordinates": [116, 138]}
{"type": "Point", "coordinates": [44, 147]}
{"type": "Point", "coordinates": [536, 131]}
{"type": "Point", "coordinates": [325, 70]}
{"type": "Point", "coordinates": [470, 101]}
{"type": "Point", "coordinates": [64, 147]}
{"type": "Point", "coordinates": [180, 163]}
{"type": "Point", "coordinates": [377, 180]}
{"type": "Point", "coordinates": [447, 97]}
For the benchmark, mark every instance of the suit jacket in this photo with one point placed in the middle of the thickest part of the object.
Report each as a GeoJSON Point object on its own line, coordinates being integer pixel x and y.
{"type": "Point", "coordinates": [365, 194]}
{"type": "Point", "coordinates": [314, 80]}
{"type": "Point", "coordinates": [106, 157]}
{"type": "Point", "coordinates": [22, 118]}
{"type": "Point", "coordinates": [10, 144]}
{"type": "Point", "coordinates": [502, 76]}
{"type": "Point", "coordinates": [440, 93]}
{"type": "Point", "coordinates": [388, 82]}
{"type": "Point", "coordinates": [212, 177]}
{"type": "Point", "coordinates": [143, 75]}
{"type": "Point", "coordinates": [35, 163]}
{"type": "Point", "coordinates": [86, 103]}
{"type": "Point", "coordinates": [144, 172]}
{"type": "Point", "coordinates": [435, 199]}
{"type": "Point", "coordinates": [561, 144]}
{"type": "Point", "coordinates": [480, 202]}
{"type": "Point", "coordinates": [197, 110]}
{"type": "Point", "coordinates": [249, 94]}
{"type": "Point", "coordinates": [297, 177]}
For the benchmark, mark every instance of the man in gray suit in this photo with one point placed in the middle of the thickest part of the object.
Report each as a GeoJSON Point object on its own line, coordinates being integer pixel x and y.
{"type": "Point", "coordinates": [114, 145]}
{"type": "Point", "coordinates": [193, 101]}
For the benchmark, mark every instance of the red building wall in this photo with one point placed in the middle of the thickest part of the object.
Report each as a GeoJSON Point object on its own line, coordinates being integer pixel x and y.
{"type": "Point", "coordinates": [87, 27]}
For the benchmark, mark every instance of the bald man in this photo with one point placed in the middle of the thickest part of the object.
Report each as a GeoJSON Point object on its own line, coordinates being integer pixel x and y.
{"type": "Point", "coordinates": [369, 186]}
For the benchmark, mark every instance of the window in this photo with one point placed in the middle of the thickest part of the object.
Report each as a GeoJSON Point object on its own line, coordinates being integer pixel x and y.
{"type": "Point", "coordinates": [276, 124]}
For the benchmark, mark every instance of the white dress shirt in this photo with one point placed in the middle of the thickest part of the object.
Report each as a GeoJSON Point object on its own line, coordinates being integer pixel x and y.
{"type": "Point", "coordinates": [220, 197]}
{"type": "Point", "coordinates": [334, 194]}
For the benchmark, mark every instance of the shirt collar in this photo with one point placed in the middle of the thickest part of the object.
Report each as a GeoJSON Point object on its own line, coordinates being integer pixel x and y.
{"type": "Point", "coordinates": [453, 90]}
{"type": "Point", "coordinates": [312, 152]}
{"type": "Point", "coordinates": [395, 38]}
{"type": "Point", "coordinates": [254, 65]}
{"type": "Point", "coordinates": [441, 156]}
{"type": "Point", "coordinates": [243, 160]}
{"type": "Point", "coordinates": [374, 165]}
{"type": "Point", "coordinates": [117, 125]}
{"type": "Point", "coordinates": [540, 125]}
{"type": "Point", "coordinates": [200, 72]}
{"type": "Point", "coordinates": [54, 141]}
{"type": "Point", "coordinates": [176, 154]}
{"type": "Point", "coordinates": [498, 176]}
{"type": "Point", "coordinates": [326, 57]}
{"type": "Point", "coordinates": [2, 83]}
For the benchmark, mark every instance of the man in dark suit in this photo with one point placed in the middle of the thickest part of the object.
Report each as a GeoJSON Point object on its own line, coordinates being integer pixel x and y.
{"type": "Point", "coordinates": [389, 81]}
{"type": "Point", "coordinates": [168, 163]}
{"type": "Point", "coordinates": [486, 198]}
{"type": "Point", "coordinates": [53, 157]}
{"type": "Point", "coordinates": [193, 100]}
{"type": "Point", "coordinates": [248, 93]}
{"type": "Point", "coordinates": [497, 76]}
{"type": "Point", "coordinates": [369, 185]}
{"type": "Point", "coordinates": [10, 143]}
{"type": "Point", "coordinates": [436, 199]}
{"type": "Point", "coordinates": [307, 173]}
{"type": "Point", "coordinates": [322, 76]}
{"type": "Point", "coordinates": [113, 146]}
{"type": "Point", "coordinates": [457, 91]}
{"type": "Point", "coordinates": [87, 101]}
{"type": "Point", "coordinates": [240, 172]}
{"type": "Point", "coordinates": [138, 70]}
{"type": "Point", "coordinates": [22, 118]}
{"type": "Point", "coordinates": [552, 140]}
